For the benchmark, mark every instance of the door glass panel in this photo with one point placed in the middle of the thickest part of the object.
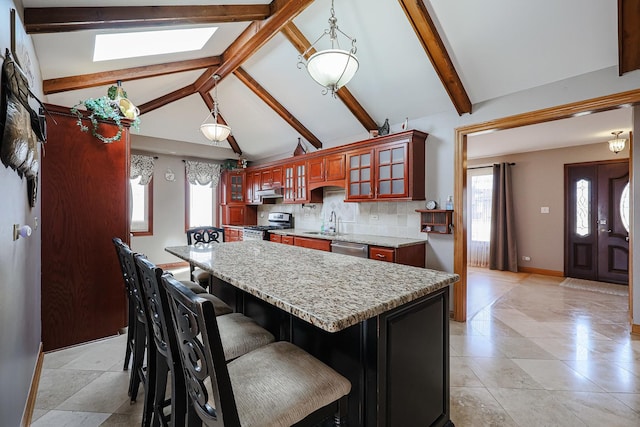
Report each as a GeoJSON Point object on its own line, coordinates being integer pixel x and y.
{"type": "Point", "coordinates": [365, 160]}
{"type": "Point", "coordinates": [355, 189]}
{"type": "Point", "coordinates": [385, 187]}
{"type": "Point", "coordinates": [398, 186]}
{"type": "Point", "coordinates": [385, 172]}
{"type": "Point", "coordinates": [398, 155]}
{"type": "Point", "coordinates": [365, 174]}
{"type": "Point", "coordinates": [398, 171]}
{"type": "Point", "coordinates": [624, 207]}
{"type": "Point", "coordinates": [583, 207]}
{"type": "Point", "coordinates": [385, 156]}
{"type": "Point", "coordinates": [366, 188]}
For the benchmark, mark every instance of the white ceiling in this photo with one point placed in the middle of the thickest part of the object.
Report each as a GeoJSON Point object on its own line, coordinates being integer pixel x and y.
{"type": "Point", "coordinates": [498, 47]}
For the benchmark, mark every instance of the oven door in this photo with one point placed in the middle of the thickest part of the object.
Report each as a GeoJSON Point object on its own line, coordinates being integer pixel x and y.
{"type": "Point", "coordinates": [250, 234]}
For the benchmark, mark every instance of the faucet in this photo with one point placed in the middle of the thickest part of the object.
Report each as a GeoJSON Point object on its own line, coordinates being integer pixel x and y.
{"type": "Point", "coordinates": [332, 222]}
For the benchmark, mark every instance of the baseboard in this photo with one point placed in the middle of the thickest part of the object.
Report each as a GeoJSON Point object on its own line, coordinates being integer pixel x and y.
{"type": "Point", "coordinates": [27, 415]}
{"type": "Point", "coordinates": [533, 270]}
{"type": "Point", "coordinates": [173, 265]}
{"type": "Point", "coordinates": [635, 329]}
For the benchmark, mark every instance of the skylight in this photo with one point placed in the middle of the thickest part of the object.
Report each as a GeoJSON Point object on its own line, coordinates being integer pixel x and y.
{"type": "Point", "coordinates": [145, 43]}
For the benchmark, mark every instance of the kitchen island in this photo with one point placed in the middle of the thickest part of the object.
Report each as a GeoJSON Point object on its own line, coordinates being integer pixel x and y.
{"type": "Point", "coordinates": [383, 326]}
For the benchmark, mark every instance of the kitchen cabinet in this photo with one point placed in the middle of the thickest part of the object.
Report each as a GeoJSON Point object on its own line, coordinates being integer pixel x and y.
{"type": "Point", "coordinates": [326, 170]}
{"type": "Point", "coordinates": [287, 240]}
{"type": "Point", "coordinates": [271, 178]}
{"type": "Point", "coordinates": [318, 244]}
{"type": "Point", "coordinates": [254, 185]}
{"type": "Point", "coordinates": [414, 255]}
{"type": "Point", "coordinates": [360, 174]}
{"type": "Point", "coordinates": [232, 234]}
{"type": "Point", "coordinates": [239, 215]}
{"type": "Point", "coordinates": [294, 186]}
{"type": "Point", "coordinates": [437, 221]}
{"type": "Point", "coordinates": [234, 187]}
{"type": "Point", "coordinates": [275, 238]}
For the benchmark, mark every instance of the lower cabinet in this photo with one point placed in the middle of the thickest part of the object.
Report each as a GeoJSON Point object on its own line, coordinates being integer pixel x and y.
{"type": "Point", "coordinates": [414, 255]}
{"type": "Point", "coordinates": [239, 214]}
{"type": "Point", "coordinates": [319, 244]}
{"type": "Point", "coordinates": [232, 234]}
{"type": "Point", "coordinates": [287, 240]}
{"type": "Point", "coordinates": [275, 238]}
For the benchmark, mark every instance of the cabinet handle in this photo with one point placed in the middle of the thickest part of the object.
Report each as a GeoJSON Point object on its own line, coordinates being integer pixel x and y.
{"type": "Point", "coordinates": [380, 256]}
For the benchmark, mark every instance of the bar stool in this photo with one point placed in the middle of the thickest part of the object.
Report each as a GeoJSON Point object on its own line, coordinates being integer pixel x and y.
{"type": "Point", "coordinates": [131, 308]}
{"type": "Point", "coordinates": [241, 335]}
{"type": "Point", "coordinates": [203, 236]}
{"type": "Point", "coordinates": [278, 384]}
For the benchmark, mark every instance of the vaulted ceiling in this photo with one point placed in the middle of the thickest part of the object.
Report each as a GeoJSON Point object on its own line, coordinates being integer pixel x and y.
{"type": "Point", "coordinates": [417, 58]}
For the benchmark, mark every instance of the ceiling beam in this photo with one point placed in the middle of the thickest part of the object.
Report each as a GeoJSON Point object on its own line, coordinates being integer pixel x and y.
{"type": "Point", "coordinates": [208, 99]}
{"type": "Point", "coordinates": [300, 42]}
{"type": "Point", "coordinates": [628, 36]}
{"type": "Point", "coordinates": [64, 19]}
{"type": "Point", "coordinates": [253, 38]}
{"type": "Point", "coordinates": [167, 99]}
{"type": "Point", "coordinates": [427, 33]}
{"type": "Point", "coordinates": [84, 81]}
{"type": "Point", "coordinates": [277, 107]}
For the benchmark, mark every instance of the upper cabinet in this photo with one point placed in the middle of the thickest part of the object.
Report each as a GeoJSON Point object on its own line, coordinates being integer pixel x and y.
{"type": "Point", "coordinates": [236, 187]}
{"type": "Point", "coordinates": [360, 174]}
{"type": "Point", "coordinates": [326, 170]}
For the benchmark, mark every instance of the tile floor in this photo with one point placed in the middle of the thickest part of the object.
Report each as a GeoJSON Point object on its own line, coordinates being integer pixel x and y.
{"type": "Point", "coordinates": [533, 354]}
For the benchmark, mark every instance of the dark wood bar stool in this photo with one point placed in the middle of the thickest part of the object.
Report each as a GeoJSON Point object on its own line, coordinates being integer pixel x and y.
{"type": "Point", "coordinates": [241, 335]}
{"type": "Point", "coordinates": [278, 384]}
{"type": "Point", "coordinates": [131, 307]}
{"type": "Point", "coordinates": [203, 236]}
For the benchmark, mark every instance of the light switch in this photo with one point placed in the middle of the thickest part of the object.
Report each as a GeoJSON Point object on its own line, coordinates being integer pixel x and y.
{"type": "Point", "coordinates": [544, 209]}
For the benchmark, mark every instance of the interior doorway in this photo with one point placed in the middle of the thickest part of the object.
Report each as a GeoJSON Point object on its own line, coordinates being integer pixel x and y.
{"type": "Point", "coordinates": [594, 105]}
{"type": "Point", "coordinates": [597, 221]}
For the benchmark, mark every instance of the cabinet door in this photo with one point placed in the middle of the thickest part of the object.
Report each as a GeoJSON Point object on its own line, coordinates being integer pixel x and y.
{"type": "Point", "coordinates": [275, 238]}
{"type": "Point", "coordinates": [382, 254]}
{"type": "Point", "coordinates": [256, 177]}
{"type": "Point", "coordinates": [318, 244]}
{"type": "Point", "coordinates": [276, 176]}
{"type": "Point", "coordinates": [235, 215]}
{"type": "Point", "coordinates": [288, 184]}
{"type": "Point", "coordinates": [334, 167]}
{"type": "Point", "coordinates": [287, 240]}
{"type": "Point", "coordinates": [316, 169]}
{"type": "Point", "coordinates": [301, 182]}
{"type": "Point", "coordinates": [235, 187]}
{"type": "Point", "coordinates": [360, 174]}
{"type": "Point", "coordinates": [391, 171]}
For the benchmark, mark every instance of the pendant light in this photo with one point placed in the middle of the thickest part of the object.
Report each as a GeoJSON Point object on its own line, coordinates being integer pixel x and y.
{"type": "Point", "coordinates": [215, 132]}
{"type": "Point", "coordinates": [617, 144]}
{"type": "Point", "coordinates": [331, 68]}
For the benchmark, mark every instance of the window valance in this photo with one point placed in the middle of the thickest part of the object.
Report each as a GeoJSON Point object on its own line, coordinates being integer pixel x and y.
{"type": "Point", "coordinates": [142, 166]}
{"type": "Point", "coordinates": [203, 173]}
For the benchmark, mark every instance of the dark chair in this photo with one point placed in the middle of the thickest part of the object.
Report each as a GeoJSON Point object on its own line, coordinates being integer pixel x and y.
{"type": "Point", "coordinates": [275, 385]}
{"type": "Point", "coordinates": [203, 236]}
{"type": "Point", "coordinates": [241, 336]}
{"type": "Point", "coordinates": [131, 308]}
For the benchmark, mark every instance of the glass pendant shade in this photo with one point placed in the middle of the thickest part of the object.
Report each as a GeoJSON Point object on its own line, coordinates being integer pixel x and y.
{"type": "Point", "coordinates": [332, 68]}
{"type": "Point", "coordinates": [616, 145]}
{"type": "Point", "coordinates": [215, 132]}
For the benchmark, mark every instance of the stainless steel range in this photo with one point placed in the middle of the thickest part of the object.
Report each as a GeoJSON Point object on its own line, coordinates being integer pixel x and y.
{"type": "Point", "coordinates": [277, 221]}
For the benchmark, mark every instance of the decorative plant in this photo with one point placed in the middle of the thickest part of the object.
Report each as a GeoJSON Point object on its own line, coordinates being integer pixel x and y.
{"type": "Point", "coordinates": [104, 108]}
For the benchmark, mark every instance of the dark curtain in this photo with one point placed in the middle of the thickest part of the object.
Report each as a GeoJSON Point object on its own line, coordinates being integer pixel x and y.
{"type": "Point", "coordinates": [503, 254]}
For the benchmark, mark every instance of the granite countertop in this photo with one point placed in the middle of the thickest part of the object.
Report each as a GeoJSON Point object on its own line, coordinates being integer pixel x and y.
{"type": "Point", "coordinates": [329, 290]}
{"type": "Point", "coordinates": [367, 239]}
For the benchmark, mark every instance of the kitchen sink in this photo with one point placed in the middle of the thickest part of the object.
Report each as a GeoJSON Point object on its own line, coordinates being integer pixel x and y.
{"type": "Point", "coordinates": [321, 233]}
{"type": "Point", "coordinates": [312, 232]}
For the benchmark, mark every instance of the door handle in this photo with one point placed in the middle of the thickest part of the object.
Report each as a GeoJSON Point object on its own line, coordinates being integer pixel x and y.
{"type": "Point", "coordinates": [604, 230]}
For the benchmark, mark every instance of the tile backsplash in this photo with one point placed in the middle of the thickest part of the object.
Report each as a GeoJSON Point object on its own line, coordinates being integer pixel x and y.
{"type": "Point", "coordinates": [397, 219]}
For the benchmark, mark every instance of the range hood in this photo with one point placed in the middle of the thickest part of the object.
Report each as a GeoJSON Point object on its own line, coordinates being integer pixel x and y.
{"type": "Point", "coordinates": [270, 193]}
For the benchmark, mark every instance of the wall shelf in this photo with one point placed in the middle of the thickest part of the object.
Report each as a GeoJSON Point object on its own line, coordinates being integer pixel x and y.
{"type": "Point", "coordinates": [436, 221]}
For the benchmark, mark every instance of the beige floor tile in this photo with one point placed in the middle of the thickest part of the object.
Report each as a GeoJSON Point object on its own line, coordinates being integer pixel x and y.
{"type": "Point", "coordinates": [564, 349]}
{"type": "Point", "coordinates": [476, 407]}
{"type": "Point", "coordinates": [598, 409]}
{"type": "Point", "coordinates": [123, 420]}
{"type": "Point", "coordinates": [502, 373]}
{"type": "Point", "coordinates": [471, 345]}
{"type": "Point", "coordinates": [556, 375]}
{"type": "Point", "coordinates": [609, 376]}
{"type": "Point", "coordinates": [535, 408]}
{"type": "Point", "coordinates": [629, 399]}
{"type": "Point", "coordinates": [105, 394]}
{"type": "Point", "coordinates": [71, 419]}
{"type": "Point", "coordinates": [101, 356]}
{"type": "Point", "coordinates": [520, 348]}
{"type": "Point", "coordinates": [461, 374]}
{"type": "Point", "coordinates": [38, 413]}
{"type": "Point", "coordinates": [57, 385]}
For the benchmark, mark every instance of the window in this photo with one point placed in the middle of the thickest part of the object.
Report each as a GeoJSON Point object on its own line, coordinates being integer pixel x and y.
{"type": "Point", "coordinates": [141, 207]}
{"type": "Point", "coordinates": [199, 205]}
{"type": "Point", "coordinates": [481, 192]}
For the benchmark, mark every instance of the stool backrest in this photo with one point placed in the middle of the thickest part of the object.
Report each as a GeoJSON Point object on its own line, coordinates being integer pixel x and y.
{"type": "Point", "coordinates": [130, 275]}
{"type": "Point", "coordinates": [205, 235]}
{"type": "Point", "coordinates": [157, 305]}
{"type": "Point", "coordinates": [203, 361]}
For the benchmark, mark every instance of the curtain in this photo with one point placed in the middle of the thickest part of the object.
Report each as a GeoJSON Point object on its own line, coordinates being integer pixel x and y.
{"type": "Point", "coordinates": [502, 248]}
{"type": "Point", "coordinates": [141, 166]}
{"type": "Point", "coordinates": [203, 173]}
{"type": "Point", "coordinates": [479, 202]}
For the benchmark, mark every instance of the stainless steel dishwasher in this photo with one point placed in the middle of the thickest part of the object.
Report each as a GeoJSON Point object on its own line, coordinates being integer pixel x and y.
{"type": "Point", "coordinates": [348, 248]}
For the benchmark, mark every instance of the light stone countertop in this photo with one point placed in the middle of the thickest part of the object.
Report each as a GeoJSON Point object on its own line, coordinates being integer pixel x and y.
{"type": "Point", "coordinates": [367, 239]}
{"type": "Point", "coordinates": [328, 290]}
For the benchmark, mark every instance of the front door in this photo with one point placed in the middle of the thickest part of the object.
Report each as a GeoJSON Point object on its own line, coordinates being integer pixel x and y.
{"type": "Point", "coordinates": [597, 237]}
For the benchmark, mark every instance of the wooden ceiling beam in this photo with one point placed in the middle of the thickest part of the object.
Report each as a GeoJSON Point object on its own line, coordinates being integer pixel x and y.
{"type": "Point", "coordinates": [300, 42]}
{"type": "Point", "coordinates": [428, 35]}
{"type": "Point", "coordinates": [84, 81]}
{"type": "Point", "coordinates": [266, 97]}
{"type": "Point", "coordinates": [253, 38]}
{"type": "Point", "coordinates": [167, 99]}
{"type": "Point", "coordinates": [628, 36]}
{"type": "Point", "coordinates": [41, 20]}
{"type": "Point", "coordinates": [208, 99]}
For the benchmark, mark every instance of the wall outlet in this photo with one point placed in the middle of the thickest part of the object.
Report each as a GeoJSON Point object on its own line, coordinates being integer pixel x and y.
{"type": "Point", "coordinates": [526, 258]}
{"type": "Point", "coordinates": [544, 209]}
{"type": "Point", "coordinates": [373, 217]}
